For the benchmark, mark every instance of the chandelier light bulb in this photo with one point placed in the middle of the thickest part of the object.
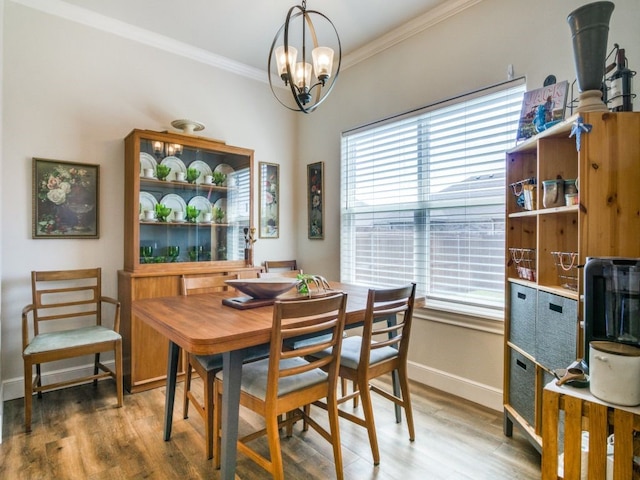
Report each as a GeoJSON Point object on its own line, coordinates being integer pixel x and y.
{"type": "Point", "coordinates": [281, 61]}
{"type": "Point", "coordinates": [302, 75]}
{"type": "Point", "coordinates": [322, 62]}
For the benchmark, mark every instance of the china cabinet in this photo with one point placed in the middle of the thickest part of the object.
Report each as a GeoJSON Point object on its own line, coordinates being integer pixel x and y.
{"type": "Point", "coordinates": [548, 241]}
{"type": "Point", "coordinates": [192, 221]}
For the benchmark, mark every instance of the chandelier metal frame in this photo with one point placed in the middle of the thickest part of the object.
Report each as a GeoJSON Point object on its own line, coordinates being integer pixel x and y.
{"type": "Point", "coordinates": [305, 100]}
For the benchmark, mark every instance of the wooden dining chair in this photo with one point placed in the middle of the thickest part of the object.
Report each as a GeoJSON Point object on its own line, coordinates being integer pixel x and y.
{"type": "Point", "coordinates": [305, 340]}
{"type": "Point", "coordinates": [280, 265]}
{"type": "Point", "coordinates": [64, 321]}
{"type": "Point", "coordinates": [206, 366]}
{"type": "Point", "coordinates": [382, 348]}
{"type": "Point", "coordinates": [286, 382]}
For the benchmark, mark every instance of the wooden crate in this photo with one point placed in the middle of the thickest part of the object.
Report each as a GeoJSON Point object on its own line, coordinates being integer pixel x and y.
{"type": "Point", "coordinates": [583, 412]}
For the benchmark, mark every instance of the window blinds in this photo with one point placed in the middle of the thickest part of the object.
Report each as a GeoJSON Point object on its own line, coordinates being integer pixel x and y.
{"type": "Point", "coordinates": [423, 198]}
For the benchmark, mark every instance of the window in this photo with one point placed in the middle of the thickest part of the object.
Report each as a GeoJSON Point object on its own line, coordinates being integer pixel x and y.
{"type": "Point", "coordinates": [238, 202]}
{"type": "Point", "coordinates": [423, 199]}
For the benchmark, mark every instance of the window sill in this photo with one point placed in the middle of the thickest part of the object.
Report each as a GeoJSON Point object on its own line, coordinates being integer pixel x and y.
{"type": "Point", "coordinates": [474, 318]}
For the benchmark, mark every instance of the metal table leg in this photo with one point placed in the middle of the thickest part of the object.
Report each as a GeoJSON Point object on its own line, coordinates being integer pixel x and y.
{"type": "Point", "coordinates": [172, 373]}
{"type": "Point", "coordinates": [232, 372]}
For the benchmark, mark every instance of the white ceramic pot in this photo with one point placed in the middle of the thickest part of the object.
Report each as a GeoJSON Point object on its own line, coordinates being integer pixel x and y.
{"type": "Point", "coordinates": [614, 372]}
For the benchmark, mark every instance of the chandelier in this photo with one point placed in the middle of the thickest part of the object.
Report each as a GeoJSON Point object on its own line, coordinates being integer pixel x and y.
{"type": "Point", "coordinates": [296, 74]}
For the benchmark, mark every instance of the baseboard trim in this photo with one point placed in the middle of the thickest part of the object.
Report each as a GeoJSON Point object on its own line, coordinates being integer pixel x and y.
{"type": "Point", "coordinates": [14, 388]}
{"type": "Point", "coordinates": [485, 395]}
{"type": "Point", "coordinates": [455, 385]}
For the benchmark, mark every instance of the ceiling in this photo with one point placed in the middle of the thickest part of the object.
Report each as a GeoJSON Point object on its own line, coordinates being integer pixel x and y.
{"type": "Point", "coordinates": [243, 33]}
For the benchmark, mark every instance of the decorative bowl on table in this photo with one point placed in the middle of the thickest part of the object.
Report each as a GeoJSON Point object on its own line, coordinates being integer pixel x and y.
{"type": "Point", "coordinates": [263, 288]}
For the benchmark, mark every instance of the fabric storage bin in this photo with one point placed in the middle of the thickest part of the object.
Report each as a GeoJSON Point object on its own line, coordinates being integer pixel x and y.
{"type": "Point", "coordinates": [522, 321]}
{"type": "Point", "coordinates": [522, 378]}
{"type": "Point", "coordinates": [556, 330]}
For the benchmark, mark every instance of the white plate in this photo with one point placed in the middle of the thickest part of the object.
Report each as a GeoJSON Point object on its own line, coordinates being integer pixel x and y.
{"type": "Point", "coordinates": [202, 167]}
{"type": "Point", "coordinates": [202, 204]}
{"type": "Point", "coordinates": [147, 202]}
{"type": "Point", "coordinates": [176, 165]}
{"type": "Point", "coordinates": [222, 204]}
{"type": "Point", "coordinates": [147, 161]}
{"type": "Point", "coordinates": [175, 202]}
{"type": "Point", "coordinates": [227, 170]}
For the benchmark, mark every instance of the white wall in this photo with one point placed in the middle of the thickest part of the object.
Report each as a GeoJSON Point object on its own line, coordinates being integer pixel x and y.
{"type": "Point", "coordinates": [1, 169]}
{"type": "Point", "coordinates": [73, 93]}
{"type": "Point", "coordinates": [468, 51]}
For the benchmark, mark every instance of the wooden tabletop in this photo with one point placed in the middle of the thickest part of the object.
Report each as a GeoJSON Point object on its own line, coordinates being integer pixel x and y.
{"type": "Point", "coordinates": [200, 324]}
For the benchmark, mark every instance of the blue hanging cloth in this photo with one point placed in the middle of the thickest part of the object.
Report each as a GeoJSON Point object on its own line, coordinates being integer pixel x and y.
{"type": "Point", "coordinates": [578, 127]}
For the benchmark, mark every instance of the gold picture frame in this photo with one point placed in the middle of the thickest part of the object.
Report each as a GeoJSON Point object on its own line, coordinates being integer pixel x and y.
{"type": "Point", "coordinates": [65, 199]}
{"type": "Point", "coordinates": [269, 200]}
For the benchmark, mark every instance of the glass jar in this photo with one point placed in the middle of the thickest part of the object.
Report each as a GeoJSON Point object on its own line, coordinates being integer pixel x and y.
{"type": "Point", "coordinates": [570, 187]}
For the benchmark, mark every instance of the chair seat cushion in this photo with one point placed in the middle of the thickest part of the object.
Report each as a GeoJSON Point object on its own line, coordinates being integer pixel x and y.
{"type": "Point", "coordinates": [209, 362]}
{"type": "Point", "coordinates": [214, 362]}
{"type": "Point", "coordinates": [350, 354]}
{"type": "Point", "coordinates": [78, 337]}
{"type": "Point", "coordinates": [254, 377]}
{"type": "Point", "coordinates": [301, 342]}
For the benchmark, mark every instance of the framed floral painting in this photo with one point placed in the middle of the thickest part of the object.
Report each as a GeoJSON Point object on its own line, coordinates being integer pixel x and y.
{"type": "Point", "coordinates": [315, 203]}
{"type": "Point", "coordinates": [65, 199]}
{"type": "Point", "coordinates": [269, 200]}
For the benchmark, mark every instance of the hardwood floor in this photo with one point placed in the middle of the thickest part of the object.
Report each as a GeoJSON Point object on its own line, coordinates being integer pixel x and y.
{"type": "Point", "coordinates": [79, 434]}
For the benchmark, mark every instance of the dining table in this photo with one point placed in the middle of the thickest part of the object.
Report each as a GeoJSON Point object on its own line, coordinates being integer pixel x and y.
{"type": "Point", "coordinates": [203, 325]}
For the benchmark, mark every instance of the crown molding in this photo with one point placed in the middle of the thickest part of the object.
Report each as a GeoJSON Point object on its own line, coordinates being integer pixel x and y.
{"type": "Point", "coordinates": [95, 20]}
{"type": "Point", "coordinates": [434, 16]}
{"type": "Point", "coordinates": [86, 17]}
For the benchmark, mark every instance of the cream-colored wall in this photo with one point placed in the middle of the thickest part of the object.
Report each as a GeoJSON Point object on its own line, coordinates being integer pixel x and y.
{"type": "Point", "coordinates": [466, 52]}
{"type": "Point", "coordinates": [1, 169]}
{"type": "Point", "coordinates": [73, 93]}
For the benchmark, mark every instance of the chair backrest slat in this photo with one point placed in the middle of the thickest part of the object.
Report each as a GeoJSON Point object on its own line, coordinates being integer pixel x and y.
{"type": "Point", "coordinates": [191, 285]}
{"type": "Point", "coordinates": [46, 318]}
{"type": "Point", "coordinates": [270, 265]}
{"type": "Point", "coordinates": [281, 273]}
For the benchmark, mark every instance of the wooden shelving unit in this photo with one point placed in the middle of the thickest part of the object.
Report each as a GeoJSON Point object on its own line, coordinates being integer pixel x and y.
{"type": "Point", "coordinates": [542, 316]}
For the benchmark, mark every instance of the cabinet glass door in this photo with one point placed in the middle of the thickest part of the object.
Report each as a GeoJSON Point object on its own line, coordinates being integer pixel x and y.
{"type": "Point", "coordinates": [194, 203]}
